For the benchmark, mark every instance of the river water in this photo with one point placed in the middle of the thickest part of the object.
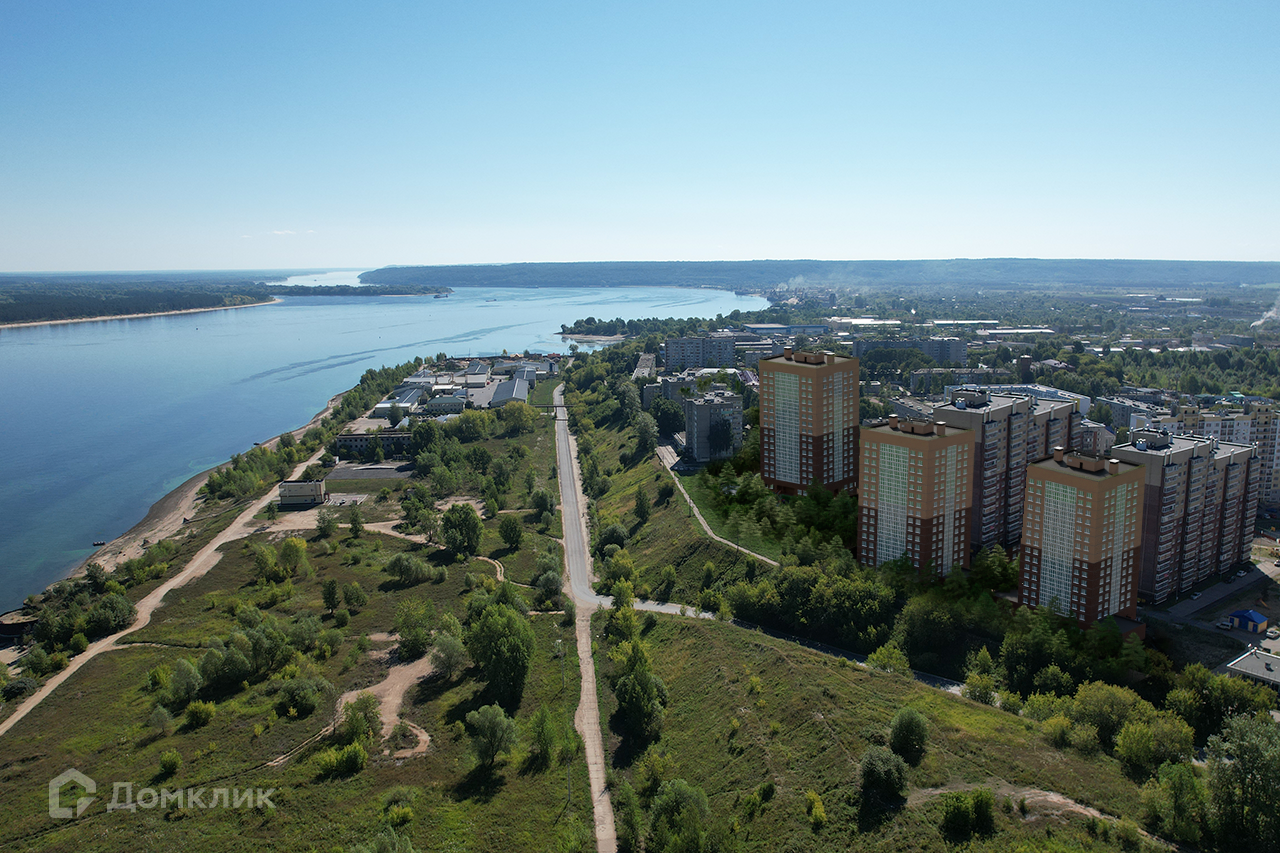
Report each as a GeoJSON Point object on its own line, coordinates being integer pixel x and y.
{"type": "Point", "coordinates": [101, 419]}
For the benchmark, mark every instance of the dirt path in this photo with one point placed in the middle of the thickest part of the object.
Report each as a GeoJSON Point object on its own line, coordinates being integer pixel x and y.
{"type": "Point", "coordinates": [390, 694]}
{"type": "Point", "coordinates": [668, 457]}
{"type": "Point", "coordinates": [205, 559]}
{"type": "Point", "coordinates": [1039, 802]}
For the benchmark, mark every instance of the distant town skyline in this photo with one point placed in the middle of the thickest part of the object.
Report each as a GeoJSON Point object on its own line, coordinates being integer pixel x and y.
{"type": "Point", "coordinates": [325, 135]}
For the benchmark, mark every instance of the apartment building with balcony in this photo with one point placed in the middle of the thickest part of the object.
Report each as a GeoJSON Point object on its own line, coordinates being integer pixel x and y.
{"type": "Point", "coordinates": [1201, 500]}
{"type": "Point", "coordinates": [1082, 535]}
{"type": "Point", "coordinates": [915, 495]}
{"type": "Point", "coordinates": [808, 421]}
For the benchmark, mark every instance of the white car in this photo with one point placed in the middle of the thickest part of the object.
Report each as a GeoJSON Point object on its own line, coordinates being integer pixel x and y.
{"type": "Point", "coordinates": [1224, 625]}
{"type": "Point", "coordinates": [1241, 573]}
{"type": "Point", "coordinates": [1273, 633]}
{"type": "Point", "coordinates": [1196, 595]}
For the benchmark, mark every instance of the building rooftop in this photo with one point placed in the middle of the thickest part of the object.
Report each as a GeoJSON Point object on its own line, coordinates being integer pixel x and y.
{"type": "Point", "coordinates": [1257, 664]}
{"type": "Point", "coordinates": [922, 428]}
{"type": "Point", "coordinates": [812, 359]}
{"type": "Point", "coordinates": [1086, 465]}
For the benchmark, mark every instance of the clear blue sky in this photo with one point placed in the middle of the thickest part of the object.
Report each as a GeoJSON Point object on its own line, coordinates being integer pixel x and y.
{"type": "Point", "coordinates": [313, 134]}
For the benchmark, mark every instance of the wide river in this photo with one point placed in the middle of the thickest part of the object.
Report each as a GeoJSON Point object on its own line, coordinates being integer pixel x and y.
{"type": "Point", "coordinates": [101, 419]}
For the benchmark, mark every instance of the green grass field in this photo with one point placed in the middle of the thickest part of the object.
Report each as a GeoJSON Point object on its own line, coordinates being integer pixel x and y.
{"type": "Point", "coordinates": [804, 721]}
{"type": "Point", "coordinates": [701, 497]}
{"type": "Point", "coordinates": [97, 722]}
{"type": "Point", "coordinates": [672, 536]}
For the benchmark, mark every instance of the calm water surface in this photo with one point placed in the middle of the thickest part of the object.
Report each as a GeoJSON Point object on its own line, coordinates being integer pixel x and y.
{"type": "Point", "coordinates": [101, 419]}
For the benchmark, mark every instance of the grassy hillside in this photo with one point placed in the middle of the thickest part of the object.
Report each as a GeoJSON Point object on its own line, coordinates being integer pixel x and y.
{"type": "Point", "coordinates": [805, 719]}
{"type": "Point", "coordinates": [98, 723]}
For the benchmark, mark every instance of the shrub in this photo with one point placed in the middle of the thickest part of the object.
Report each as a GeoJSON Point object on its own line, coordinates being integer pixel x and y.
{"type": "Point", "coordinates": [199, 714]}
{"type": "Point", "coordinates": [984, 810]}
{"type": "Point", "coordinates": [957, 814]}
{"type": "Point", "coordinates": [342, 618]}
{"type": "Point", "coordinates": [170, 761]}
{"type": "Point", "coordinates": [1057, 730]}
{"type": "Point", "coordinates": [814, 808]}
{"type": "Point", "coordinates": [18, 688]}
{"type": "Point", "coordinates": [160, 721]}
{"type": "Point", "coordinates": [351, 760]}
{"type": "Point", "coordinates": [909, 735]}
{"type": "Point", "coordinates": [79, 642]}
{"type": "Point", "coordinates": [884, 774]}
{"type": "Point", "coordinates": [399, 815]}
{"type": "Point", "coordinates": [1084, 737]}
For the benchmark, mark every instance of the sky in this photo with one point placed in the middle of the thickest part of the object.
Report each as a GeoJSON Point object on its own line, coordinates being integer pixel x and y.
{"type": "Point", "coordinates": [251, 135]}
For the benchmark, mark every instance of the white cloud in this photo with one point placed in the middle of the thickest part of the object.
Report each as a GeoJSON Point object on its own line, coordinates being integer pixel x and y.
{"type": "Point", "coordinates": [284, 232]}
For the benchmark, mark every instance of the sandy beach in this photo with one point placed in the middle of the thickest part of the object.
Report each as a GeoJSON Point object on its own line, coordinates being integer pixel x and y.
{"type": "Point", "coordinates": [274, 301]}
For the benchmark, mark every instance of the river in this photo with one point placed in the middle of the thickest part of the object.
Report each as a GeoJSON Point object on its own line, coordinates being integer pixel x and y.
{"type": "Point", "coordinates": [101, 419]}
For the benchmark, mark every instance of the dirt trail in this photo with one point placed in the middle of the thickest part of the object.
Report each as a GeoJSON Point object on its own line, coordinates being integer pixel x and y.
{"type": "Point", "coordinates": [1039, 802]}
{"type": "Point", "coordinates": [390, 694]}
{"type": "Point", "coordinates": [205, 559]}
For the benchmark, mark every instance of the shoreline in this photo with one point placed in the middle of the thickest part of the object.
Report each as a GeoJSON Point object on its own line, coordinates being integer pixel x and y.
{"type": "Point", "coordinates": [167, 515]}
{"type": "Point", "coordinates": [275, 300]}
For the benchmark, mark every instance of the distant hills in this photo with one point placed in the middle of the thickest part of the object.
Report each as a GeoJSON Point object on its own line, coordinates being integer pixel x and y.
{"type": "Point", "coordinates": [991, 272]}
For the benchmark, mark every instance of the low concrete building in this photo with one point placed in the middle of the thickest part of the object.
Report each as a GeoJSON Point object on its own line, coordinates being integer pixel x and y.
{"type": "Point", "coordinates": [511, 391]}
{"type": "Point", "coordinates": [446, 404]}
{"type": "Point", "coordinates": [297, 494]}
{"type": "Point", "coordinates": [1259, 666]}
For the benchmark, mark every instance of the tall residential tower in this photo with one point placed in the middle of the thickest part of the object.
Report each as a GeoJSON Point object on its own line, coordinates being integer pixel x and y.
{"type": "Point", "coordinates": [808, 421]}
{"type": "Point", "coordinates": [915, 494]}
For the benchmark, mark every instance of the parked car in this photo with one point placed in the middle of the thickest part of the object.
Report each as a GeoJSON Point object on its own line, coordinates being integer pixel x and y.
{"type": "Point", "coordinates": [1241, 573]}
{"type": "Point", "coordinates": [1224, 625]}
{"type": "Point", "coordinates": [1273, 633]}
{"type": "Point", "coordinates": [1196, 595]}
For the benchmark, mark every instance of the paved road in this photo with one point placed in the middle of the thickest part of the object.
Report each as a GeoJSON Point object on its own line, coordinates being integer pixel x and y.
{"type": "Point", "coordinates": [578, 559]}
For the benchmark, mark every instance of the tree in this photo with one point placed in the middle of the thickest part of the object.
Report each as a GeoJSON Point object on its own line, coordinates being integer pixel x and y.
{"type": "Point", "coordinates": [889, 658]}
{"type": "Point", "coordinates": [356, 521]}
{"type": "Point", "coordinates": [429, 524]}
{"type": "Point", "coordinates": [543, 748]}
{"type": "Point", "coordinates": [501, 642]}
{"type": "Point", "coordinates": [293, 555]}
{"type": "Point", "coordinates": [492, 732]}
{"type": "Point", "coordinates": [519, 417]}
{"type": "Point", "coordinates": [646, 437]}
{"type": "Point", "coordinates": [273, 511]}
{"type": "Point", "coordinates": [543, 500]}
{"type": "Point", "coordinates": [909, 735]}
{"type": "Point", "coordinates": [884, 774]}
{"type": "Point", "coordinates": [1244, 775]}
{"type": "Point", "coordinates": [449, 656]}
{"type": "Point", "coordinates": [644, 509]}
{"type": "Point", "coordinates": [326, 522]}
{"type": "Point", "coordinates": [668, 415]}
{"type": "Point", "coordinates": [461, 529]}
{"type": "Point", "coordinates": [354, 596]}
{"type": "Point", "coordinates": [511, 531]}
{"type": "Point", "coordinates": [330, 594]}
{"type": "Point", "coordinates": [362, 719]}
{"type": "Point", "coordinates": [677, 817]}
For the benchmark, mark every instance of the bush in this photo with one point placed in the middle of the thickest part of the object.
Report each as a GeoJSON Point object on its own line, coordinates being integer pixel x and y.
{"type": "Point", "coordinates": [957, 814]}
{"type": "Point", "coordinates": [399, 815]}
{"type": "Point", "coordinates": [18, 688]}
{"type": "Point", "coordinates": [1057, 730]}
{"type": "Point", "coordinates": [79, 642]}
{"type": "Point", "coordinates": [341, 618]}
{"type": "Point", "coordinates": [351, 760]}
{"type": "Point", "coordinates": [884, 774]}
{"type": "Point", "coordinates": [909, 735]}
{"type": "Point", "coordinates": [199, 714]}
{"type": "Point", "coordinates": [984, 810]}
{"type": "Point", "coordinates": [160, 721]}
{"type": "Point", "coordinates": [170, 761]}
{"type": "Point", "coordinates": [815, 810]}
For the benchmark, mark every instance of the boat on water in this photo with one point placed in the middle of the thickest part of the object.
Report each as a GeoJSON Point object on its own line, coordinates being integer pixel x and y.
{"type": "Point", "coordinates": [100, 543]}
{"type": "Point", "coordinates": [441, 296]}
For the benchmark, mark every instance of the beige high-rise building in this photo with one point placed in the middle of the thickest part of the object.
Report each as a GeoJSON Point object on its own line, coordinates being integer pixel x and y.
{"type": "Point", "coordinates": [808, 421]}
{"type": "Point", "coordinates": [1081, 536]}
{"type": "Point", "coordinates": [1201, 500]}
{"type": "Point", "coordinates": [915, 494]}
{"type": "Point", "coordinates": [1012, 431]}
{"type": "Point", "coordinates": [1255, 423]}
